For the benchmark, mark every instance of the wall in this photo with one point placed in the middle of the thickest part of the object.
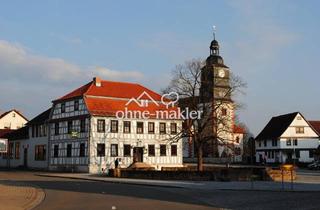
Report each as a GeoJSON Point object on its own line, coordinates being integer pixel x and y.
{"type": "Point", "coordinates": [75, 162]}
{"type": "Point", "coordinates": [135, 140]}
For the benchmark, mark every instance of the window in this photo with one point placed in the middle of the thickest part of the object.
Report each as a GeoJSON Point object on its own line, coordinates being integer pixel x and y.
{"type": "Point", "coordinates": [101, 126]}
{"type": "Point", "coordinates": [114, 126]}
{"type": "Point", "coordinates": [56, 150]}
{"type": "Point", "coordinates": [114, 150]}
{"type": "Point", "coordinates": [295, 142]}
{"type": "Point", "coordinates": [265, 143]}
{"type": "Point", "coordinates": [259, 143]}
{"type": "Point", "coordinates": [40, 152]}
{"type": "Point", "coordinates": [127, 150]}
{"type": "Point", "coordinates": [163, 149]}
{"type": "Point", "coordinates": [311, 153]}
{"type": "Point", "coordinates": [173, 128]}
{"type": "Point", "coordinates": [11, 150]}
{"type": "Point", "coordinates": [33, 131]}
{"type": "Point", "coordinates": [288, 142]}
{"type": "Point", "coordinates": [76, 105]}
{"type": "Point", "coordinates": [37, 131]}
{"type": "Point", "coordinates": [297, 154]}
{"type": "Point", "coordinates": [150, 127]}
{"type": "Point", "coordinates": [69, 127]}
{"type": "Point", "coordinates": [101, 150]}
{"type": "Point", "coordinates": [83, 125]}
{"type": "Point", "coordinates": [69, 150]}
{"type": "Point", "coordinates": [44, 130]}
{"type": "Point", "coordinates": [56, 128]}
{"type": "Point", "coordinates": [162, 128]}
{"type": "Point", "coordinates": [126, 127]}
{"type": "Point", "coordinates": [82, 150]}
{"type": "Point", "coordinates": [274, 142]}
{"type": "Point", "coordinates": [17, 151]}
{"type": "Point", "coordinates": [151, 150]}
{"type": "Point", "coordinates": [299, 129]}
{"type": "Point", "coordinates": [63, 108]}
{"type": "Point", "coordinates": [139, 127]}
{"type": "Point", "coordinates": [224, 112]}
{"type": "Point", "coordinates": [237, 139]}
{"type": "Point", "coordinates": [173, 150]}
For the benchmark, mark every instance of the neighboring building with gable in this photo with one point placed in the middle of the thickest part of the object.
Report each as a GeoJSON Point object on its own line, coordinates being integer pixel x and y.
{"type": "Point", "coordinates": [86, 134]}
{"type": "Point", "coordinates": [28, 146]}
{"type": "Point", "coordinates": [285, 138]}
{"type": "Point", "coordinates": [12, 120]}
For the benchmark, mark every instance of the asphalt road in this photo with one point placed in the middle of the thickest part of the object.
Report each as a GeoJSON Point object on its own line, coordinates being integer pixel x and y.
{"type": "Point", "coordinates": [76, 194]}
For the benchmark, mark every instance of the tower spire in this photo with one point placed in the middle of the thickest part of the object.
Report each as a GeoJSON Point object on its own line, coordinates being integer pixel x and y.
{"type": "Point", "coordinates": [214, 46]}
{"type": "Point", "coordinates": [214, 32]}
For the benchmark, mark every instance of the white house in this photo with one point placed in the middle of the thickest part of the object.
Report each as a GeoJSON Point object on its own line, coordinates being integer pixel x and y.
{"type": "Point", "coordinates": [12, 119]}
{"type": "Point", "coordinates": [28, 146]}
{"type": "Point", "coordinates": [287, 138]}
{"type": "Point", "coordinates": [89, 129]}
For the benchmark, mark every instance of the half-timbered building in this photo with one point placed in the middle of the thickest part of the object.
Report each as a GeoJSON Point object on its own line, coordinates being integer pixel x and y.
{"type": "Point", "coordinates": [89, 128]}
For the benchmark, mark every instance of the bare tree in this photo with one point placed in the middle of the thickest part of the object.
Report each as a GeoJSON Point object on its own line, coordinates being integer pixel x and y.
{"type": "Point", "coordinates": [214, 125]}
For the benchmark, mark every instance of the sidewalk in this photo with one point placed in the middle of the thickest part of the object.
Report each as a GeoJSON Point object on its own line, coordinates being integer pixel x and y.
{"type": "Point", "coordinates": [204, 185]}
{"type": "Point", "coordinates": [15, 196]}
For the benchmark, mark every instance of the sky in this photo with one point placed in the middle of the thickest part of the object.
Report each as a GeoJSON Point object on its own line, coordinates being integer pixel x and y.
{"type": "Point", "coordinates": [48, 48]}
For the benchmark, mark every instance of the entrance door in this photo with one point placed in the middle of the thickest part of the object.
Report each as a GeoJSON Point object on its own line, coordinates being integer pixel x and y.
{"type": "Point", "coordinates": [138, 154]}
{"type": "Point", "coordinates": [25, 157]}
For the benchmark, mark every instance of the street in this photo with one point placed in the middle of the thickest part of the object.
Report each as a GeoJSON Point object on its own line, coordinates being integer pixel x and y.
{"type": "Point", "coordinates": [61, 193]}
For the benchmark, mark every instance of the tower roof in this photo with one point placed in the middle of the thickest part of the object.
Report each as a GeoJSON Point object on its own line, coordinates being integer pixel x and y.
{"type": "Point", "coordinates": [214, 57]}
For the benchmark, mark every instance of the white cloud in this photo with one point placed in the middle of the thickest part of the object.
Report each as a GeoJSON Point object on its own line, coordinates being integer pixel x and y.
{"type": "Point", "coordinates": [117, 75]}
{"type": "Point", "coordinates": [17, 63]}
{"type": "Point", "coordinates": [29, 82]}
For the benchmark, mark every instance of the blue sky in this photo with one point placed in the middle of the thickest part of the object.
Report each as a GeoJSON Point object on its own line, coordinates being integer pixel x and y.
{"type": "Point", "coordinates": [48, 48]}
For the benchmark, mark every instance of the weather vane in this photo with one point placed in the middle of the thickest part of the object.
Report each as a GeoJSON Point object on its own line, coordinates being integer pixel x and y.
{"type": "Point", "coordinates": [214, 32]}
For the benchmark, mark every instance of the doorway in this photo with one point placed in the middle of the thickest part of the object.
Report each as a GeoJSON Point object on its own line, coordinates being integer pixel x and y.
{"type": "Point", "coordinates": [25, 157]}
{"type": "Point", "coordinates": [138, 154]}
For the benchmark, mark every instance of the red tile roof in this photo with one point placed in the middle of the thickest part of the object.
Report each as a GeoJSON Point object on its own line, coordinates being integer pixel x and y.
{"type": "Point", "coordinates": [121, 90]}
{"type": "Point", "coordinates": [238, 129]}
{"type": "Point", "coordinates": [76, 93]}
{"type": "Point", "coordinates": [3, 132]}
{"type": "Point", "coordinates": [112, 96]}
{"type": "Point", "coordinates": [315, 125]}
{"type": "Point", "coordinates": [112, 89]}
{"type": "Point", "coordinates": [109, 107]}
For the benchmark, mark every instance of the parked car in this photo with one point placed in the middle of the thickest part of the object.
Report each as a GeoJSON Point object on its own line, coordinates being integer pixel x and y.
{"type": "Point", "coordinates": [315, 165]}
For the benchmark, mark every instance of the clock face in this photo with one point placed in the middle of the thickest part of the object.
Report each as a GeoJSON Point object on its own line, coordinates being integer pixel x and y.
{"type": "Point", "coordinates": [221, 73]}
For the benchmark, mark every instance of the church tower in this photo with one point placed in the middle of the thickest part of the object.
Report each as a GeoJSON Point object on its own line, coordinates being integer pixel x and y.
{"type": "Point", "coordinates": [216, 90]}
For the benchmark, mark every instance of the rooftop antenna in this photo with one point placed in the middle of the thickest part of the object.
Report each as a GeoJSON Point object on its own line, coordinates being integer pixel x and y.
{"type": "Point", "coordinates": [214, 32]}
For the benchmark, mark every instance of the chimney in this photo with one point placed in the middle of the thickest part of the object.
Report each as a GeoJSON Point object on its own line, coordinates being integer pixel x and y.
{"type": "Point", "coordinates": [97, 81]}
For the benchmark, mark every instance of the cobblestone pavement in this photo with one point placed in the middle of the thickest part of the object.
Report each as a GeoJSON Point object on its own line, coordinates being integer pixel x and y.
{"type": "Point", "coordinates": [18, 196]}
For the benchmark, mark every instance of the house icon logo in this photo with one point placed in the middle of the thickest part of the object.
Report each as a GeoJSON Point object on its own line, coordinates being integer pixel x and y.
{"type": "Point", "coordinates": [142, 102]}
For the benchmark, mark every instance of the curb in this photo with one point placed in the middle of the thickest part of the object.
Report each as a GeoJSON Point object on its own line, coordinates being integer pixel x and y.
{"type": "Point", "coordinates": [111, 181]}
{"type": "Point", "coordinates": [172, 186]}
